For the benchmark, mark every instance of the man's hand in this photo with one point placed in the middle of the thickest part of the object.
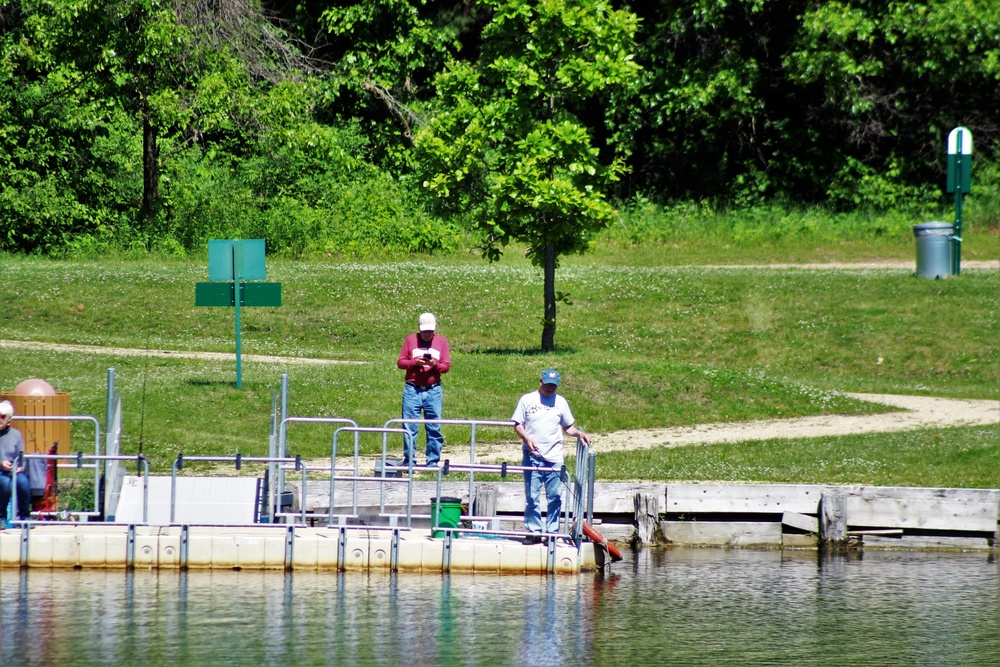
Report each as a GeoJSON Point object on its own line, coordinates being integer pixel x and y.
{"type": "Point", "coordinates": [578, 433]}
{"type": "Point", "coordinates": [523, 434]}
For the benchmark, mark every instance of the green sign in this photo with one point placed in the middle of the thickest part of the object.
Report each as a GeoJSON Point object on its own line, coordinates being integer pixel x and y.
{"type": "Point", "coordinates": [226, 258]}
{"type": "Point", "coordinates": [959, 182]}
{"type": "Point", "coordinates": [960, 160]}
{"type": "Point", "coordinates": [252, 294]}
{"type": "Point", "coordinates": [236, 261]}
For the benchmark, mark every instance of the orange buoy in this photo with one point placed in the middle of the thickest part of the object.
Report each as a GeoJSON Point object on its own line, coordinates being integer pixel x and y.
{"type": "Point", "coordinates": [597, 538]}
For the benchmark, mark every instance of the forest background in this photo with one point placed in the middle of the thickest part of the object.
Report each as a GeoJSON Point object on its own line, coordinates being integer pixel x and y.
{"type": "Point", "coordinates": [349, 127]}
{"type": "Point", "coordinates": [649, 134]}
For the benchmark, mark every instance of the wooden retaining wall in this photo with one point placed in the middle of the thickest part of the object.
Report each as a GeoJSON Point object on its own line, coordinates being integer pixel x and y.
{"type": "Point", "coordinates": [745, 515]}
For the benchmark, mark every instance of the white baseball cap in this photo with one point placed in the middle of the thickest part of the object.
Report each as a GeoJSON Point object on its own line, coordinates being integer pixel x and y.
{"type": "Point", "coordinates": [6, 409]}
{"type": "Point", "coordinates": [427, 322]}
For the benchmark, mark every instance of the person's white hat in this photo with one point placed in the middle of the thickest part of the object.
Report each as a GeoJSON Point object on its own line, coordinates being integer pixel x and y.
{"type": "Point", "coordinates": [6, 409]}
{"type": "Point", "coordinates": [427, 322]}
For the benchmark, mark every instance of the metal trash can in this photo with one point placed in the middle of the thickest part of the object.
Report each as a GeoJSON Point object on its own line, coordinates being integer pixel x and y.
{"type": "Point", "coordinates": [933, 249]}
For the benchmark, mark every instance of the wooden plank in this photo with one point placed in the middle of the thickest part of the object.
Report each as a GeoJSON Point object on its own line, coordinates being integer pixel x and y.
{"type": "Point", "coordinates": [485, 503]}
{"type": "Point", "coordinates": [832, 518]}
{"type": "Point", "coordinates": [801, 521]}
{"type": "Point", "coordinates": [722, 533]}
{"type": "Point", "coordinates": [616, 532]}
{"type": "Point", "coordinates": [746, 498]}
{"type": "Point", "coordinates": [929, 509]}
{"type": "Point", "coordinates": [799, 541]}
{"type": "Point", "coordinates": [619, 498]}
{"type": "Point", "coordinates": [926, 542]}
{"type": "Point", "coordinates": [867, 507]}
{"type": "Point", "coordinates": [647, 516]}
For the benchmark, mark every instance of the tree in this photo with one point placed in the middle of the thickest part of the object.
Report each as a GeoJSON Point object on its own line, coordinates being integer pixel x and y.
{"type": "Point", "coordinates": [509, 149]}
{"type": "Point", "coordinates": [837, 101]}
{"type": "Point", "coordinates": [386, 54]}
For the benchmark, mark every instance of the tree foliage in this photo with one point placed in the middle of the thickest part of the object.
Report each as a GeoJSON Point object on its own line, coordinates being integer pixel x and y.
{"type": "Point", "coordinates": [115, 114]}
{"type": "Point", "coordinates": [747, 100]}
{"type": "Point", "coordinates": [507, 146]}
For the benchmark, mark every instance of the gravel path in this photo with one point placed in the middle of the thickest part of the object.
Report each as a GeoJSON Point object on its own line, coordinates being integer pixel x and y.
{"type": "Point", "coordinates": [916, 412]}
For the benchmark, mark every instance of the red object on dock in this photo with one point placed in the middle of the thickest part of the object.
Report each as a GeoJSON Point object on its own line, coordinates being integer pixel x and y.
{"type": "Point", "coordinates": [597, 538]}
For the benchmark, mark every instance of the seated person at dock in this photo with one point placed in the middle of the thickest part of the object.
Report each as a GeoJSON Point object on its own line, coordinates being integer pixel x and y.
{"type": "Point", "coordinates": [11, 444]}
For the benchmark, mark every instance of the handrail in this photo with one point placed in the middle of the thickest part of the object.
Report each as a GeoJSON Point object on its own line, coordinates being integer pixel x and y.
{"type": "Point", "coordinates": [386, 432]}
{"type": "Point", "coordinates": [97, 441]}
{"type": "Point", "coordinates": [472, 423]}
{"type": "Point", "coordinates": [80, 457]}
{"type": "Point", "coordinates": [279, 485]}
{"type": "Point", "coordinates": [578, 486]}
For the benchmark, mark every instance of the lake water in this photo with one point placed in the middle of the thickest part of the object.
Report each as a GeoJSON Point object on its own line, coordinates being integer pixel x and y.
{"type": "Point", "coordinates": [657, 607]}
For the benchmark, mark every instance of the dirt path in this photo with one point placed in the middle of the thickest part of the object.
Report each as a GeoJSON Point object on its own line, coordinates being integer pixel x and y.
{"type": "Point", "coordinates": [169, 354]}
{"type": "Point", "coordinates": [917, 412]}
{"type": "Point", "coordinates": [901, 264]}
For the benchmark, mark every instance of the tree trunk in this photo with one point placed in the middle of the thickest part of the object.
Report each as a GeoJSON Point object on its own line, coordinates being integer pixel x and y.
{"type": "Point", "coordinates": [150, 169]}
{"type": "Point", "coordinates": [549, 296]}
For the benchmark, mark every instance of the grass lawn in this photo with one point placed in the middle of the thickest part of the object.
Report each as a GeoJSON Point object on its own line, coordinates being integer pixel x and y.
{"type": "Point", "coordinates": [643, 344]}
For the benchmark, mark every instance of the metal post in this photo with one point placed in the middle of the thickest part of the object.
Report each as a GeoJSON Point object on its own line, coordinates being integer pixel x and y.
{"type": "Point", "coordinates": [109, 413]}
{"type": "Point", "coordinates": [590, 487]}
{"type": "Point", "coordinates": [956, 239]}
{"type": "Point", "coordinates": [237, 298]}
{"type": "Point", "coordinates": [472, 459]}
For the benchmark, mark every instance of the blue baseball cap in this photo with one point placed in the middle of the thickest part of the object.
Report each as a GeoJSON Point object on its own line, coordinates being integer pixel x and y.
{"type": "Point", "coordinates": [550, 376]}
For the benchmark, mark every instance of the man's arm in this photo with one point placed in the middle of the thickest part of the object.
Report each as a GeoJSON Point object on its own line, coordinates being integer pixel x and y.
{"type": "Point", "coordinates": [406, 360]}
{"type": "Point", "coordinates": [523, 434]}
{"type": "Point", "coordinates": [444, 363]}
{"type": "Point", "coordinates": [576, 432]}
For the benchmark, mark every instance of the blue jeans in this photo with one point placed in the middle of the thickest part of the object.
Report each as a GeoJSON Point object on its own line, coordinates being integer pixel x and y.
{"type": "Point", "coordinates": [428, 402]}
{"type": "Point", "coordinates": [23, 494]}
{"type": "Point", "coordinates": [533, 483]}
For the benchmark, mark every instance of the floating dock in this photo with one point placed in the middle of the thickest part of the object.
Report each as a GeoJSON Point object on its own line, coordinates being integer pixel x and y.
{"type": "Point", "coordinates": [283, 547]}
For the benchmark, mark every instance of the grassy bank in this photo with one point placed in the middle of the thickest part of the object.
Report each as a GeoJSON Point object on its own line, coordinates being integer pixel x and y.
{"type": "Point", "coordinates": [641, 346]}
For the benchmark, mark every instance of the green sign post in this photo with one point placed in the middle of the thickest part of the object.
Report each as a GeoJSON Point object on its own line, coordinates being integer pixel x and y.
{"type": "Point", "coordinates": [959, 182]}
{"type": "Point", "coordinates": [235, 262]}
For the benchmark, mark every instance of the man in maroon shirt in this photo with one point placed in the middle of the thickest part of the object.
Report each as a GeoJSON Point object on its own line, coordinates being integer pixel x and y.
{"type": "Point", "coordinates": [425, 358]}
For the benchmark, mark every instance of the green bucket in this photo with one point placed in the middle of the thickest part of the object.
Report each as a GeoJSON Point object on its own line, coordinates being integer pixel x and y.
{"type": "Point", "coordinates": [445, 513]}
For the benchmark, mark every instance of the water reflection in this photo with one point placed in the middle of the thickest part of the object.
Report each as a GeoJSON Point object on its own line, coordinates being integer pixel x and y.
{"type": "Point", "coordinates": [681, 606]}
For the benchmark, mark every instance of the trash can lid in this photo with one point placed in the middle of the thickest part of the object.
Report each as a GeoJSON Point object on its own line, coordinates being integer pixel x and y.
{"type": "Point", "coordinates": [445, 499]}
{"type": "Point", "coordinates": [934, 228]}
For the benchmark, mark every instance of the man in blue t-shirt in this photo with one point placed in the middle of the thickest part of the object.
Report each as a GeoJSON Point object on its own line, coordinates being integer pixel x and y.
{"type": "Point", "coordinates": [540, 419]}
